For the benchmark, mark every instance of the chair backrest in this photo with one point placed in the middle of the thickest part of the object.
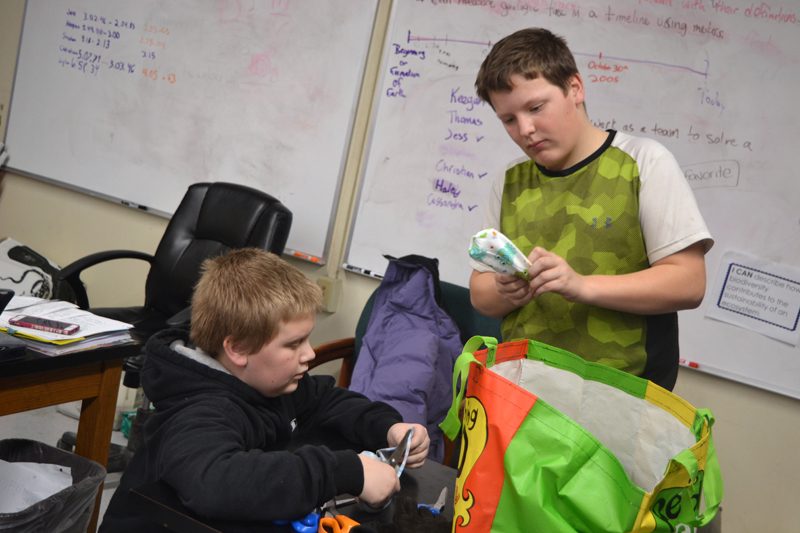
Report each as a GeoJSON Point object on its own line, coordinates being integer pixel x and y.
{"type": "Point", "coordinates": [211, 219]}
{"type": "Point", "coordinates": [455, 300]}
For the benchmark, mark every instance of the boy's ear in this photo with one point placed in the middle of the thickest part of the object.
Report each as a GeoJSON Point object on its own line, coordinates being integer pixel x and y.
{"type": "Point", "coordinates": [576, 89]}
{"type": "Point", "coordinates": [233, 352]}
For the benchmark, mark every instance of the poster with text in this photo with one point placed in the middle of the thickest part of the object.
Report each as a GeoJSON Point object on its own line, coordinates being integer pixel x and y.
{"type": "Point", "coordinates": [758, 295]}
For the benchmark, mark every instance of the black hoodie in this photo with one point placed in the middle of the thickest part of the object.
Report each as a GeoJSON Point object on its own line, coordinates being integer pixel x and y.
{"type": "Point", "coordinates": [223, 446]}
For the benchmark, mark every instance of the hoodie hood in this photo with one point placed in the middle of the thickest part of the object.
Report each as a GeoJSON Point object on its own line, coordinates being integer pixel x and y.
{"type": "Point", "coordinates": [173, 381]}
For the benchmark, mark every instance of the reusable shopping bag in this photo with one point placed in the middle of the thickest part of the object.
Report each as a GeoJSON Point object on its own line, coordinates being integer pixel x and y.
{"type": "Point", "coordinates": [553, 443]}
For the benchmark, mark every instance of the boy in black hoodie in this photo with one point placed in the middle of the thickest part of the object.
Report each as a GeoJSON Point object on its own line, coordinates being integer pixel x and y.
{"type": "Point", "coordinates": [233, 392]}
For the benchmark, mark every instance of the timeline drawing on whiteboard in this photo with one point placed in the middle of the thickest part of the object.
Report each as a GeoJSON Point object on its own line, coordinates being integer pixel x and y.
{"type": "Point", "coordinates": [447, 40]}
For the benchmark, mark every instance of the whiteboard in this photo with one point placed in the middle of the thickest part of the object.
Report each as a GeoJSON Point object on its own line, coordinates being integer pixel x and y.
{"type": "Point", "coordinates": [714, 81]}
{"type": "Point", "coordinates": [136, 101]}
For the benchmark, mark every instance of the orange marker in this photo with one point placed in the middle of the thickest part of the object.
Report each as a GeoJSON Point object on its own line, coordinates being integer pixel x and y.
{"type": "Point", "coordinates": [306, 257]}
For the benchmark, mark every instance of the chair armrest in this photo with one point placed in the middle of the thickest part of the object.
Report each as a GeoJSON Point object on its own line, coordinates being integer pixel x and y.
{"type": "Point", "coordinates": [72, 272]}
{"type": "Point", "coordinates": [340, 349]}
{"type": "Point", "coordinates": [184, 316]}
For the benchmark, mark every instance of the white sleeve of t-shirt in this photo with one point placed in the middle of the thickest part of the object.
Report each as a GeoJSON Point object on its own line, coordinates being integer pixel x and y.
{"type": "Point", "coordinates": [668, 212]}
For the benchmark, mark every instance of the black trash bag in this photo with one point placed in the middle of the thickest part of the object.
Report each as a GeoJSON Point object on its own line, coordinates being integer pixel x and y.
{"type": "Point", "coordinates": [67, 511]}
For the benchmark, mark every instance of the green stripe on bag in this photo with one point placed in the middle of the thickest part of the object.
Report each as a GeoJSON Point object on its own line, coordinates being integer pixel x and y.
{"type": "Point", "coordinates": [558, 358]}
{"type": "Point", "coordinates": [562, 479]}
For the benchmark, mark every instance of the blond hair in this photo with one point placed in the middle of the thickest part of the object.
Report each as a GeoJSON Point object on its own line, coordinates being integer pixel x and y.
{"type": "Point", "coordinates": [246, 294]}
{"type": "Point", "coordinates": [531, 53]}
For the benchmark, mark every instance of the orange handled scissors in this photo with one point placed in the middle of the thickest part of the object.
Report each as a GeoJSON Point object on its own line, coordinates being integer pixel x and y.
{"type": "Point", "coordinates": [336, 524]}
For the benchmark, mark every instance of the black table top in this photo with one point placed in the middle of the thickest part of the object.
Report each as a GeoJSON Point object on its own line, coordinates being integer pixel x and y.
{"type": "Point", "coordinates": [161, 503]}
{"type": "Point", "coordinates": [38, 362]}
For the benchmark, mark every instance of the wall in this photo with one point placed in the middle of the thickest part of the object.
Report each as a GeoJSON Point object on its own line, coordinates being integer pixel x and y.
{"type": "Point", "coordinates": [756, 432]}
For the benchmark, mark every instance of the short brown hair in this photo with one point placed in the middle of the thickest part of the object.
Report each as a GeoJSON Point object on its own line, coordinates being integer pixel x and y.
{"type": "Point", "coordinates": [531, 53]}
{"type": "Point", "coordinates": [246, 294]}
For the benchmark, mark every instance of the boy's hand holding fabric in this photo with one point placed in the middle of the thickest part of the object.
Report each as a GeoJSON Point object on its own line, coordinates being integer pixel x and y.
{"type": "Point", "coordinates": [380, 482]}
{"type": "Point", "coordinates": [494, 250]}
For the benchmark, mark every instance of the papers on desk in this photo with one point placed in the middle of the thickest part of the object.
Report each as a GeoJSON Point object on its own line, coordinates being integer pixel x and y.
{"type": "Point", "coordinates": [95, 331]}
{"type": "Point", "coordinates": [98, 341]}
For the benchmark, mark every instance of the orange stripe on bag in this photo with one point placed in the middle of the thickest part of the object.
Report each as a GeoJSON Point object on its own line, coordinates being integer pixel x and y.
{"type": "Point", "coordinates": [490, 421]}
{"type": "Point", "coordinates": [508, 351]}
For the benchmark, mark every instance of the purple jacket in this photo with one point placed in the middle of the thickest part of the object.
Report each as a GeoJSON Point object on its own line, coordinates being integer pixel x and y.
{"type": "Point", "coordinates": [408, 351]}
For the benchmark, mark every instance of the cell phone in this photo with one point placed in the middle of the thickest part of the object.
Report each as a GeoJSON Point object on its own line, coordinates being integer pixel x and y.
{"type": "Point", "coordinates": [44, 324]}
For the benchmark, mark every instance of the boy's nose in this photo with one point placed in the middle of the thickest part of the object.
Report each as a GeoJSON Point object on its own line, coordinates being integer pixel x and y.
{"type": "Point", "coordinates": [527, 127]}
{"type": "Point", "coordinates": [308, 354]}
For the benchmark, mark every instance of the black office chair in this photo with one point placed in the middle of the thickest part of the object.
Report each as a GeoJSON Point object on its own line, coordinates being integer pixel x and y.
{"type": "Point", "coordinates": [211, 219]}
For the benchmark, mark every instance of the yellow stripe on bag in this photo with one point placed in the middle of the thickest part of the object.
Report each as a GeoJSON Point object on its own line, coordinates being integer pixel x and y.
{"type": "Point", "coordinates": [671, 403]}
{"type": "Point", "coordinates": [676, 476]}
{"type": "Point", "coordinates": [700, 449]}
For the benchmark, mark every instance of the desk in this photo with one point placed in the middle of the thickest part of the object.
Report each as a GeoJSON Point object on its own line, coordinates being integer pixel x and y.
{"type": "Point", "coordinates": [160, 503]}
{"type": "Point", "coordinates": [92, 376]}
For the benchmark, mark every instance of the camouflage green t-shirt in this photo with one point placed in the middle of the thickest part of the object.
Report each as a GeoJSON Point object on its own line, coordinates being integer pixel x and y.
{"type": "Point", "coordinates": [589, 215]}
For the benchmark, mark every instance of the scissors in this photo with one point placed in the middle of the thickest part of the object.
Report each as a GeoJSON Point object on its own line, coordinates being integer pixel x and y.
{"type": "Point", "coordinates": [336, 523]}
{"type": "Point", "coordinates": [307, 524]}
{"type": "Point", "coordinates": [312, 522]}
{"type": "Point", "coordinates": [437, 507]}
{"type": "Point", "coordinates": [395, 457]}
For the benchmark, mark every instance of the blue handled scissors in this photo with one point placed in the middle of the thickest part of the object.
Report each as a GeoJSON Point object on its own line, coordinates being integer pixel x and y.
{"type": "Point", "coordinates": [311, 522]}
{"type": "Point", "coordinates": [395, 457]}
{"type": "Point", "coordinates": [436, 508]}
{"type": "Point", "coordinates": [307, 524]}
